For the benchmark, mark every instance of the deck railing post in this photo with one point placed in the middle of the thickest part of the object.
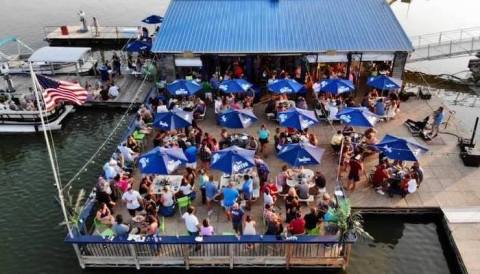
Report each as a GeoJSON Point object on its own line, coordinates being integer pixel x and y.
{"type": "Point", "coordinates": [440, 38]}
{"type": "Point", "coordinates": [428, 51]}
{"type": "Point", "coordinates": [451, 43]}
{"type": "Point", "coordinates": [230, 251]}
{"type": "Point", "coordinates": [79, 256]}
{"type": "Point", "coordinates": [134, 255]}
{"type": "Point", "coordinates": [473, 39]}
{"type": "Point", "coordinates": [185, 249]}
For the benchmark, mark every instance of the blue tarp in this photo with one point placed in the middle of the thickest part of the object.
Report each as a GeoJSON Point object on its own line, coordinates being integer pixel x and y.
{"type": "Point", "coordinates": [284, 26]}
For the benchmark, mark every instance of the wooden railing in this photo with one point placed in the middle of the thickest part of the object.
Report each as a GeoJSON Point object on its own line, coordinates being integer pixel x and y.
{"type": "Point", "coordinates": [213, 251]}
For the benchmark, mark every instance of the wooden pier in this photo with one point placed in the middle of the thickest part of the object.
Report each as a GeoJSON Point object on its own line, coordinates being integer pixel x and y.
{"type": "Point", "coordinates": [106, 37]}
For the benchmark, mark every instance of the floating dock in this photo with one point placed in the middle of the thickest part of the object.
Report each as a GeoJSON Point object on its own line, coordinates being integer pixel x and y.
{"type": "Point", "coordinates": [107, 37]}
{"type": "Point", "coordinates": [131, 89]}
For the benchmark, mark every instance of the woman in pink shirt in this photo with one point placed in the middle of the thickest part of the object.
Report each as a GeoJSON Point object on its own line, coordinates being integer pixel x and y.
{"type": "Point", "coordinates": [206, 229]}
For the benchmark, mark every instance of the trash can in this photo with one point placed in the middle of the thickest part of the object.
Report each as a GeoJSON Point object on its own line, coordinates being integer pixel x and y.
{"type": "Point", "coordinates": [64, 30]}
{"type": "Point", "coordinates": [104, 76]}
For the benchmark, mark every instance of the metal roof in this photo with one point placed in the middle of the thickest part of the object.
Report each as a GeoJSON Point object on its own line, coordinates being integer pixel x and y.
{"type": "Point", "coordinates": [58, 54]}
{"type": "Point", "coordinates": [279, 26]}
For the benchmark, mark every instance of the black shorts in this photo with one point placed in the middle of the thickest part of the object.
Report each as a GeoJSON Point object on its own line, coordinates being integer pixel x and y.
{"type": "Point", "coordinates": [354, 177]}
{"type": "Point", "coordinates": [263, 141]}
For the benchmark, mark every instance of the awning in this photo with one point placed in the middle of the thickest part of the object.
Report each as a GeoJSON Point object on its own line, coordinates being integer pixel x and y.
{"type": "Point", "coordinates": [58, 54]}
{"type": "Point", "coordinates": [380, 56]}
{"type": "Point", "coordinates": [324, 58]}
{"type": "Point", "coordinates": [188, 62]}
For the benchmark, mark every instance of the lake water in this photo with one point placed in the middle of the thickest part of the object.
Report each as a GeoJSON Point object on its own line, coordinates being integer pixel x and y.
{"type": "Point", "coordinates": [31, 240]}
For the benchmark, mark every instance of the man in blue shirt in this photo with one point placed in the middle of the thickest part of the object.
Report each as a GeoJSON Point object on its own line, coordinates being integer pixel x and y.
{"type": "Point", "coordinates": [437, 121]}
{"type": "Point", "coordinates": [380, 107]}
{"type": "Point", "coordinates": [119, 228]}
{"type": "Point", "coordinates": [191, 154]}
{"type": "Point", "coordinates": [230, 195]}
{"type": "Point", "coordinates": [210, 192]}
{"type": "Point", "coordinates": [237, 217]}
{"type": "Point", "coordinates": [247, 189]}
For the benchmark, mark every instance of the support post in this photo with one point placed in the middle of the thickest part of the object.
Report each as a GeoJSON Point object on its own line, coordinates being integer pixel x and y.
{"type": "Point", "coordinates": [79, 256]}
{"type": "Point", "coordinates": [451, 43]}
{"type": "Point", "coordinates": [134, 255]}
{"type": "Point", "coordinates": [230, 250]}
{"type": "Point", "coordinates": [185, 249]}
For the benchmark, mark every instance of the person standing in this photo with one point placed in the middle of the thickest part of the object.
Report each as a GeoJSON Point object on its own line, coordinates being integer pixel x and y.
{"type": "Point", "coordinates": [356, 167]}
{"type": "Point", "coordinates": [191, 221]}
{"type": "Point", "coordinates": [202, 181]}
{"type": "Point", "coordinates": [437, 121]}
{"type": "Point", "coordinates": [237, 218]}
{"type": "Point", "coordinates": [82, 15]}
{"type": "Point", "coordinates": [247, 189]}
{"type": "Point", "coordinates": [249, 228]}
{"type": "Point", "coordinates": [210, 193]}
{"type": "Point", "coordinates": [263, 135]}
{"type": "Point", "coordinates": [133, 199]}
{"type": "Point", "coordinates": [95, 26]}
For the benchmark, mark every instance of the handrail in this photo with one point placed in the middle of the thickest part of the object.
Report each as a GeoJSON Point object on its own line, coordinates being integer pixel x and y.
{"type": "Point", "coordinates": [445, 36]}
{"type": "Point", "coordinates": [215, 239]}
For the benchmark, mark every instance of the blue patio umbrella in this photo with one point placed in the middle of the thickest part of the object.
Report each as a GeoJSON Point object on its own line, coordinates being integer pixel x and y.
{"type": "Point", "coordinates": [397, 148]}
{"type": "Point", "coordinates": [301, 154]}
{"type": "Point", "coordinates": [285, 86]}
{"type": "Point", "coordinates": [233, 159]}
{"type": "Point", "coordinates": [137, 46]}
{"type": "Point", "coordinates": [358, 116]}
{"type": "Point", "coordinates": [297, 118]}
{"type": "Point", "coordinates": [237, 118]}
{"type": "Point", "coordinates": [153, 19]}
{"type": "Point", "coordinates": [383, 82]}
{"type": "Point", "coordinates": [183, 87]}
{"type": "Point", "coordinates": [173, 119]}
{"type": "Point", "coordinates": [234, 86]}
{"type": "Point", "coordinates": [161, 160]}
{"type": "Point", "coordinates": [336, 86]}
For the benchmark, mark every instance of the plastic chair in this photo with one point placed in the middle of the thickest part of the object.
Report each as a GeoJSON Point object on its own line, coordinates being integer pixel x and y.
{"type": "Point", "coordinates": [99, 227]}
{"type": "Point", "coordinates": [107, 233]}
{"type": "Point", "coordinates": [183, 202]}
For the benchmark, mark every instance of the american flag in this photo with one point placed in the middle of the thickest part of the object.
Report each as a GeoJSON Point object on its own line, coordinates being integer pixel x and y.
{"type": "Point", "coordinates": [56, 91]}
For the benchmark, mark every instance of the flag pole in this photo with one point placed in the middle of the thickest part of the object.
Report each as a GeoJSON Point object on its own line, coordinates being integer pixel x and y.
{"type": "Point", "coordinates": [50, 155]}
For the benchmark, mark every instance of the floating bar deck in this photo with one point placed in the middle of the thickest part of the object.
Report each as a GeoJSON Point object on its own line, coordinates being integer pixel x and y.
{"type": "Point", "coordinates": [111, 37]}
{"type": "Point", "coordinates": [448, 184]}
{"type": "Point", "coordinates": [127, 84]}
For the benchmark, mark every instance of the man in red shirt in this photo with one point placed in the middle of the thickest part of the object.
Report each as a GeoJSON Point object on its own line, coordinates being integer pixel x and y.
{"type": "Point", "coordinates": [297, 225]}
{"type": "Point", "coordinates": [273, 189]}
{"type": "Point", "coordinates": [354, 175]}
{"type": "Point", "coordinates": [379, 178]}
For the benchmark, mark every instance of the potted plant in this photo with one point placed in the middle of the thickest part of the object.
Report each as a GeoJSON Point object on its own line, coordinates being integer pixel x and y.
{"type": "Point", "coordinates": [348, 223]}
{"type": "Point", "coordinates": [74, 209]}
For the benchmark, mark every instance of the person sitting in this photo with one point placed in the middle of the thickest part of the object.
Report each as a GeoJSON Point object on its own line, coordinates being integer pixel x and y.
{"type": "Point", "coordinates": [303, 189]}
{"type": "Point", "coordinates": [230, 195]}
{"type": "Point", "coordinates": [133, 144]}
{"type": "Point", "coordinates": [325, 203]}
{"type": "Point", "coordinates": [128, 155]}
{"type": "Point", "coordinates": [320, 182]}
{"type": "Point", "coordinates": [206, 229]}
{"type": "Point", "coordinates": [199, 109]}
{"type": "Point", "coordinates": [380, 177]}
{"type": "Point", "coordinates": [185, 189]}
{"type": "Point", "coordinates": [403, 187]}
{"type": "Point", "coordinates": [167, 197]}
{"type": "Point", "coordinates": [145, 186]}
{"type": "Point", "coordinates": [121, 183]}
{"type": "Point", "coordinates": [291, 204]}
{"type": "Point", "coordinates": [347, 130]}
{"type": "Point", "coordinates": [141, 126]}
{"type": "Point", "coordinates": [417, 173]}
{"type": "Point", "coordinates": [119, 228]}
{"type": "Point", "coordinates": [380, 107]}
{"type": "Point", "coordinates": [301, 103]}
{"type": "Point", "coordinates": [152, 225]}
{"type": "Point", "coordinates": [311, 220]}
{"type": "Point", "coordinates": [275, 227]}
{"type": "Point", "coordinates": [111, 169]}
{"type": "Point", "coordinates": [272, 189]}
{"type": "Point", "coordinates": [104, 215]}
{"type": "Point", "coordinates": [113, 90]}
{"type": "Point", "coordinates": [267, 198]}
{"type": "Point", "coordinates": [282, 179]}
{"type": "Point", "coordinates": [297, 225]}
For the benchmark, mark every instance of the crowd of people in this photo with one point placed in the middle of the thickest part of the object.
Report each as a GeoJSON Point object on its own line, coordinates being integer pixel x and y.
{"type": "Point", "coordinates": [282, 196]}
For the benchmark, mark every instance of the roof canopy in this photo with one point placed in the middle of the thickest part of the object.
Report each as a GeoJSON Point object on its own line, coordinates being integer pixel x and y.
{"type": "Point", "coordinates": [58, 54]}
{"type": "Point", "coordinates": [280, 26]}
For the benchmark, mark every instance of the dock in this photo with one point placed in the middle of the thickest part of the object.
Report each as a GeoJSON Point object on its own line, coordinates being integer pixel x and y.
{"type": "Point", "coordinates": [131, 89]}
{"type": "Point", "coordinates": [106, 37]}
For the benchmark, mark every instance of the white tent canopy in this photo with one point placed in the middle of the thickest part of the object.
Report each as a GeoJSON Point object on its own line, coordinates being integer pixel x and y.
{"type": "Point", "coordinates": [58, 54]}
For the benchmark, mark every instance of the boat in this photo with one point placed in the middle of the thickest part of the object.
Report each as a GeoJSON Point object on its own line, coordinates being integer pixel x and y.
{"type": "Point", "coordinates": [21, 121]}
{"type": "Point", "coordinates": [46, 60]}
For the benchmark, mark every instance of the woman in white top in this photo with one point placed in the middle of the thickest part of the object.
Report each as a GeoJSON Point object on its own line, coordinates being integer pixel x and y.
{"type": "Point", "coordinates": [249, 228]}
{"type": "Point", "coordinates": [167, 197]}
{"type": "Point", "coordinates": [267, 198]}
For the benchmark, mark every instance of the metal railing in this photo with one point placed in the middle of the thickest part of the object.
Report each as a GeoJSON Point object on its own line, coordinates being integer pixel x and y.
{"type": "Point", "coordinates": [213, 251]}
{"type": "Point", "coordinates": [445, 36]}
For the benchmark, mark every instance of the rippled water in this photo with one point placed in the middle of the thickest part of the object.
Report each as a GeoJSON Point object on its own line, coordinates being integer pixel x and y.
{"type": "Point", "coordinates": [30, 239]}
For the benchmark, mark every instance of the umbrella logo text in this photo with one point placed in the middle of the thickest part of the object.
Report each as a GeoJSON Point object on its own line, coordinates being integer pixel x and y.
{"type": "Point", "coordinates": [144, 162]}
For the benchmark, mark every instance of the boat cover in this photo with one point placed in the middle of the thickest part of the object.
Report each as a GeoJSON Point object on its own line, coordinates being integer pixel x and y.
{"type": "Point", "coordinates": [58, 54]}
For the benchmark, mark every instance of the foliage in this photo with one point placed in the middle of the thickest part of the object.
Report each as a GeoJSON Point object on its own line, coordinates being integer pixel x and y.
{"type": "Point", "coordinates": [348, 221]}
{"type": "Point", "coordinates": [74, 207]}
{"type": "Point", "coordinates": [206, 86]}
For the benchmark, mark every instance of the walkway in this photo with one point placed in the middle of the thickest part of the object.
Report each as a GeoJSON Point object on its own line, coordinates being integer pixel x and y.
{"type": "Point", "coordinates": [445, 44]}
